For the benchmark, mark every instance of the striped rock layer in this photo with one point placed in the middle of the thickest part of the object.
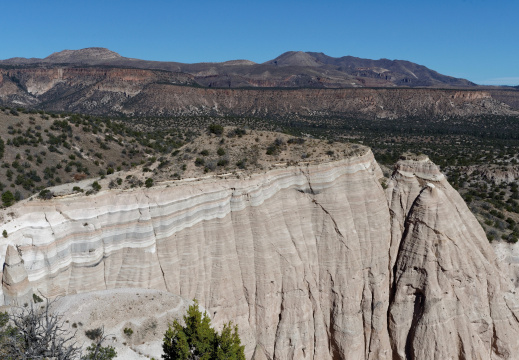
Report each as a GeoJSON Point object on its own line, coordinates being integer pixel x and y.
{"type": "Point", "coordinates": [311, 261]}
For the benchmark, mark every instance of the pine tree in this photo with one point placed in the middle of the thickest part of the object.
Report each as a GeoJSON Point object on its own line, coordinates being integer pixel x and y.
{"type": "Point", "coordinates": [198, 340]}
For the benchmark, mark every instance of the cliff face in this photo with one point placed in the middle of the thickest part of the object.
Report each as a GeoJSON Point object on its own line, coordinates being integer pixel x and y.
{"type": "Point", "coordinates": [102, 90]}
{"type": "Point", "coordinates": [382, 103]}
{"type": "Point", "coordinates": [312, 262]}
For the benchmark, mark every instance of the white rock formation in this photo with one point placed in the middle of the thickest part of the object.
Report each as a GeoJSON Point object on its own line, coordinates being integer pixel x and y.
{"type": "Point", "coordinates": [307, 260]}
{"type": "Point", "coordinates": [450, 299]}
{"type": "Point", "coordinates": [15, 283]}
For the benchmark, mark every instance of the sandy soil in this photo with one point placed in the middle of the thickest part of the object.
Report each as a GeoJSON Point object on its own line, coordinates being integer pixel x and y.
{"type": "Point", "coordinates": [146, 312]}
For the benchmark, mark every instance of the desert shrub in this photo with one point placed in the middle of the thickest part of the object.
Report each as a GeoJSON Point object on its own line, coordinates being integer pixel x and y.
{"type": "Point", "coordinates": [96, 186]}
{"type": "Point", "coordinates": [216, 129]}
{"type": "Point", "coordinates": [210, 165]}
{"type": "Point", "coordinates": [7, 198]}
{"type": "Point", "coordinates": [272, 150]}
{"type": "Point", "coordinates": [45, 194]}
{"type": "Point", "coordinates": [236, 132]}
{"type": "Point", "coordinates": [222, 162]}
{"type": "Point", "coordinates": [242, 164]}
{"type": "Point", "coordinates": [94, 334]}
{"type": "Point", "coordinates": [128, 331]}
{"type": "Point", "coordinates": [296, 141]}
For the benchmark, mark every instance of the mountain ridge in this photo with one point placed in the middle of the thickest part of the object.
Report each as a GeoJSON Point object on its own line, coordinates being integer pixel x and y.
{"type": "Point", "coordinates": [102, 82]}
{"type": "Point", "coordinates": [324, 70]}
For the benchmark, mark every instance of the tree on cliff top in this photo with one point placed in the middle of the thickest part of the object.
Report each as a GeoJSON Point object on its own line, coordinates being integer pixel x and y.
{"type": "Point", "coordinates": [198, 340]}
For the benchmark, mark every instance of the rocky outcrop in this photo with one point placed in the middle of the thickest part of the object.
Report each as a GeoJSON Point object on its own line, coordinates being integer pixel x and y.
{"type": "Point", "coordinates": [77, 88]}
{"type": "Point", "coordinates": [495, 173]}
{"type": "Point", "coordinates": [450, 298]}
{"type": "Point", "coordinates": [311, 261]}
{"type": "Point", "coordinates": [15, 283]}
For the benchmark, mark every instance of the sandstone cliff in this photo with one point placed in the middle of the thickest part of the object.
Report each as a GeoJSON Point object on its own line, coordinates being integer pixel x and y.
{"type": "Point", "coordinates": [311, 261]}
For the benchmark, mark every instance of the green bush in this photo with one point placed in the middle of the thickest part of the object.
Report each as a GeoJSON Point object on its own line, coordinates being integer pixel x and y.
{"type": "Point", "coordinates": [222, 162]}
{"type": "Point", "coordinates": [96, 186]}
{"type": "Point", "coordinates": [128, 331]}
{"type": "Point", "coordinates": [7, 198]}
{"type": "Point", "coordinates": [45, 194]}
{"type": "Point", "coordinates": [149, 182]}
{"type": "Point", "coordinates": [216, 129]}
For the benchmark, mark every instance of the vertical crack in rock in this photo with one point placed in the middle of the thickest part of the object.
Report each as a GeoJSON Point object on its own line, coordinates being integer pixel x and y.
{"type": "Point", "coordinates": [307, 175]}
{"type": "Point", "coordinates": [155, 239]}
{"type": "Point", "coordinates": [47, 220]}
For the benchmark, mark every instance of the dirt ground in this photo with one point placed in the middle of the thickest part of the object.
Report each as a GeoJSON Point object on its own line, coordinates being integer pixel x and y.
{"type": "Point", "coordinates": [146, 312]}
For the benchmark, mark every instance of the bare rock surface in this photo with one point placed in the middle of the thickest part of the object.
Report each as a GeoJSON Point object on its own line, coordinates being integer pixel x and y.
{"type": "Point", "coordinates": [15, 281]}
{"type": "Point", "coordinates": [312, 261]}
{"type": "Point", "coordinates": [450, 297]}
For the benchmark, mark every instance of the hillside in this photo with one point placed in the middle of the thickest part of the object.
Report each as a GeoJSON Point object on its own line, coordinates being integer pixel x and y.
{"type": "Point", "coordinates": [41, 150]}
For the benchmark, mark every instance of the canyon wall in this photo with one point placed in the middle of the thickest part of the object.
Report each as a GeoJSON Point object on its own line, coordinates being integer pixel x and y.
{"type": "Point", "coordinates": [314, 261]}
{"type": "Point", "coordinates": [114, 91]}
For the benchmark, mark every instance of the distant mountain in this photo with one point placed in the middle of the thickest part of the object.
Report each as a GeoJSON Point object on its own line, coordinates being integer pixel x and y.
{"type": "Point", "coordinates": [291, 69]}
{"type": "Point", "coordinates": [295, 58]}
{"type": "Point", "coordinates": [84, 55]}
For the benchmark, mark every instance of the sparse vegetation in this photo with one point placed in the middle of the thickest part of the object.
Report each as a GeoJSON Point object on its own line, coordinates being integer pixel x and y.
{"type": "Point", "coordinates": [216, 129]}
{"type": "Point", "coordinates": [128, 331]}
{"type": "Point", "coordinates": [36, 152]}
{"type": "Point", "coordinates": [95, 186]}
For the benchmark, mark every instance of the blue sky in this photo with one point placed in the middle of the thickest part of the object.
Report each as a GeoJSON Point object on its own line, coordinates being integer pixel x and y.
{"type": "Point", "coordinates": [474, 39]}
